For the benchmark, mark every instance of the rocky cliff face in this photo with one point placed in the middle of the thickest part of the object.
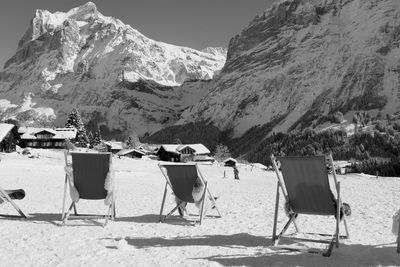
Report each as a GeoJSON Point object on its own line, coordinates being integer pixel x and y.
{"type": "Point", "coordinates": [113, 74]}
{"type": "Point", "coordinates": [302, 60]}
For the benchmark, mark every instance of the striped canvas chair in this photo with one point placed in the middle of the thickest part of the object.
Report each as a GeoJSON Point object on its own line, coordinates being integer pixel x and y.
{"type": "Point", "coordinates": [305, 186]}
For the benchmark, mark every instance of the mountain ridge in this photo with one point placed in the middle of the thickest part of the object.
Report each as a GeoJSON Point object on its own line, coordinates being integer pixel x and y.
{"type": "Point", "coordinates": [96, 63]}
{"type": "Point", "coordinates": [293, 67]}
{"type": "Point", "coordinates": [301, 61]}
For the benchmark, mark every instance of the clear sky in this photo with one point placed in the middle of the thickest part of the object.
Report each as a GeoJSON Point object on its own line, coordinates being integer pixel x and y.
{"type": "Point", "coordinates": [193, 23]}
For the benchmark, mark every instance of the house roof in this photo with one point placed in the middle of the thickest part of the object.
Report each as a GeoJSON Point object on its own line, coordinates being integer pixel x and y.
{"type": "Point", "coordinates": [46, 130]}
{"type": "Point", "coordinates": [59, 133]}
{"type": "Point", "coordinates": [174, 148]}
{"type": "Point", "coordinates": [114, 144]}
{"type": "Point", "coordinates": [341, 164]}
{"type": "Point", "coordinates": [22, 130]}
{"type": "Point", "coordinates": [143, 149]}
{"type": "Point", "coordinates": [68, 133]}
{"type": "Point", "coordinates": [230, 159]}
{"type": "Point", "coordinates": [5, 128]}
{"type": "Point", "coordinates": [170, 148]}
{"type": "Point", "coordinates": [198, 148]}
{"type": "Point", "coordinates": [127, 151]}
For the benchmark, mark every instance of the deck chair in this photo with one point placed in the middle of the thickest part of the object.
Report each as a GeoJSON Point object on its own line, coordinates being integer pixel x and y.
{"type": "Point", "coordinates": [181, 178]}
{"type": "Point", "coordinates": [89, 171]}
{"type": "Point", "coordinates": [305, 186]}
{"type": "Point", "coordinates": [9, 196]}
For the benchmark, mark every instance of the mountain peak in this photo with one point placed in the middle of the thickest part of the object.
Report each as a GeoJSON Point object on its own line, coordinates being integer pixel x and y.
{"type": "Point", "coordinates": [89, 5]}
{"type": "Point", "coordinates": [106, 68]}
{"type": "Point", "coordinates": [83, 11]}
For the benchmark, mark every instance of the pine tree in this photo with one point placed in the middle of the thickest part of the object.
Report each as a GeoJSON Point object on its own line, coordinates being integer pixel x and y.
{"type": "Point", "coordinates": [221, 152]}
{"type": "Point", "coordinates": [90, 138]}
{"type": "Point", "coordinates": [97, 137]}
{"type": "Point", "coordinates": [177, 141]}
{"type": "Point", "coordinates": [132, 141]}
{"type": "Point", "coordinates": [74, 120]}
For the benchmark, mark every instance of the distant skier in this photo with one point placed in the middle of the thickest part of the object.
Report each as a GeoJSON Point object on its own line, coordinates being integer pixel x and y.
{"type": "Point", "coordinates": [235, 172]}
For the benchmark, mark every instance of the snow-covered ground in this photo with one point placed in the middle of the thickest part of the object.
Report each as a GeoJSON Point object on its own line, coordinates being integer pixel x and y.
{"type": "Point", "coordinates": [136, 238]}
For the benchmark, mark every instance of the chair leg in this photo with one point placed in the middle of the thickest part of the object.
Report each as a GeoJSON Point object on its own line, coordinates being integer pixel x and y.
{"type": "Point", "coordinates": [398, 239]}
{"type": "Point", "coordinates": [214, 203]}
{"type": "Point", "coordinates": [295, 225]}
{"type": "Point", "coordinates": [345, 227]}
{"type": "Point", "coordinates": [274, 237]}
{"type": "Point", "coordinates": [67, 214]}
{"type": "Point", "coordinates": [173, 210]}
{"type": "Point", "coordinates": [113, 210]}
{"type": "Point", "coordinates": [328, 252]}
{"type": "Point", "coordinates": [291, 218]}
{"type": "Point", "coordinates": [202, 202]}
{"type": "Point", "coordinates": [109, 214]}
{"type": "Point", "coordinates": [338, 208]}
{"type": "Point", "coordinates": [64, 199]}
{"type": "Point", "coordinates": [163, 201]}
{"type": "Point", "coordinates": [74, 206]}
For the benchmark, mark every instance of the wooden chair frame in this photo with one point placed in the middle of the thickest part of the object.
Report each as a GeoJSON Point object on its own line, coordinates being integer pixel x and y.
{"type": "Point", "coordinates": [335, 237]}
{"type": "Point", "coordinates": [398, 239]}
{"type": "Point", "coordinates": [6, 198]}
{"type": "Point", "coordinates": [66, 214]}
{"type": "Point", "coordinates": [207, 191]}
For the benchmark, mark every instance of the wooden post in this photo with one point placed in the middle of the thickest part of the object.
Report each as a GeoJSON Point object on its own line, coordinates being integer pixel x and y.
{"type": "Point", "coordinates": [202, 203]}
{"type": "Point", "coordinates": [276, 213]}
{"type": "Point", "coordinates": [398, 236]}
{"type": "Point", "coordinates": [338, 208]}
{"type": "Point", "coordinates": [163, 201]}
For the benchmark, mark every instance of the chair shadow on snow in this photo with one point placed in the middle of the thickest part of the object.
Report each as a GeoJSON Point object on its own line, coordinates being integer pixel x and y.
{"type": "Point", "coordinates": [266, 255]}
{"type": "Point", "coordinates": [147, 218]}
{"type": "Point", "coordinates": [55, 218]}
{"type": "Point", "coordinates": [52, 218]}
{"type": "Point", "coordinates": [155, 218]}
{"type": "Point", "coordinates": [346, 255]}
{"type": "Point", "coordinates": [236, 240]}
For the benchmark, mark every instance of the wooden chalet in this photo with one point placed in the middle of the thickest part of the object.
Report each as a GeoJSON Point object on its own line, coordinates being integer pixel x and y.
{"type": "Point", "coordinates": [182, 153]}
{"type": "Point", "coordinates": [113, 146]}
{"type": "Point", "coordinates": [8, 137]}
{"type": "Point", "coordinates": [147, 149]}
{"type": "Point", "coordinates": [342, 167]}
{"type": "Point", "coordinates": [46, 137]}
{"type": "Point", "coordinates": [168, 153]}
{"type": "Point", "coordinates": [131, 153]}
{"type": "Point", "coordinates": [230, 162]}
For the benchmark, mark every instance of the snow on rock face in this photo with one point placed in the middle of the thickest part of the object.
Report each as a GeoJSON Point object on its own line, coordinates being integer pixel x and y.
{"type": "Point", "coordinates": [301, 60]}
{"type": "Point", "coordinates": [112, 73]}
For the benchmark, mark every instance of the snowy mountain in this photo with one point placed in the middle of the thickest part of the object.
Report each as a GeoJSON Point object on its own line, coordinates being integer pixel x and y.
{"type": "Point", "coordinates": [113, 74]}
{"type": "Point", "coordinates": [301, 61]}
